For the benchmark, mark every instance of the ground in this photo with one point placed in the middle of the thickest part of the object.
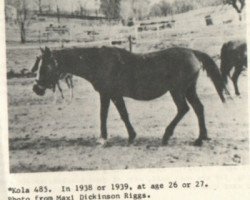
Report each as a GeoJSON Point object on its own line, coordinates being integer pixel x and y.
{"type": "Point", "coordinates": [44, 136]}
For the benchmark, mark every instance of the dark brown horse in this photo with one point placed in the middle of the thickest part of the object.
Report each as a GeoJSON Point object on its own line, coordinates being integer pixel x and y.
{"type": "Point", "coordinates": [116, 73]}
{"type": "Point", "coordinates": [233, 55]}
{"type": "Point", "coordinates": [67, 77]}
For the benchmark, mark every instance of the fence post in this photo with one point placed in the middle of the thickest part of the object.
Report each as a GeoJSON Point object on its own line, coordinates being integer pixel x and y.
{"type": "Point", "coordinates": [136, 33]}
{"type": "Point", "coordinates": [61, 38]}
{"type": "Point", "coordinates": [62, 44]}
{"type": "Point", "coordinates": [130, 43]}
{"type": "Point", "coordinates": [39, 36]}
{"type": "Point", "coordinates": [158, 31]}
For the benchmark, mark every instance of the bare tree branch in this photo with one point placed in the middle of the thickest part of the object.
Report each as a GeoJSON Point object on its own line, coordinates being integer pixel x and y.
{"type": "Point", "coordinates": [238, 5]}
{"type": "Point", "coordinates": [24, 16]}
{"type": "Point", "coordinates": [111, 8]}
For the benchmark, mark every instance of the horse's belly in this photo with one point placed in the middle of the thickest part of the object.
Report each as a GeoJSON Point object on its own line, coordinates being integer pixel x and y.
{"type": "Point", "coordinates": [143, 91]}
{"type": "Point", "coordinates": [144, 84]}
{"type": "Point", "coordinates": [146, 96]}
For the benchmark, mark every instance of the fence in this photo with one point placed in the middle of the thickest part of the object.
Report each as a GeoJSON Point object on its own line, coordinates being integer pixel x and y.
{"type": "Point", "coordinates": [189, 30]}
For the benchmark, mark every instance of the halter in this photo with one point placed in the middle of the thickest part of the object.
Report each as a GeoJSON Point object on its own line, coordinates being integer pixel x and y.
{"type": "Point", "coordinates": [55, 71]}
{"type": "Point", "coordinates": [41, 87]}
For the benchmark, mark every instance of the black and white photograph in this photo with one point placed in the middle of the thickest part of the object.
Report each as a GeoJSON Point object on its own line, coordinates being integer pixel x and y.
{"type": "Point", "coordinates": [126, 84]}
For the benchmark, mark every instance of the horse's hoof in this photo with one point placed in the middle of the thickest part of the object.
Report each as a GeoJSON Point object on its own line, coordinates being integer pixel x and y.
{"type": "Point", "coordinates": [102, 142]}
{"type": "Point", "coordinates": [164, 142]}
{"type": "Point", "coordinates": [206, 138]}
{"type": "Point", "coordinates": [198, 143]}
{"type": "Point", "coordinates": [130, 141]}
{"type": "Point", "coordinates": [238, 96]}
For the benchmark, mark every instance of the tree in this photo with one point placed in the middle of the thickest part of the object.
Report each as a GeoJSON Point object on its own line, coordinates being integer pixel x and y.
{"type": "Point", "coordinates": [82, 6]}
{"type": "Point", "coordinates": [238, 5]}
{"type": "Point", "coordinates": [161, 9]}
{"type": "Point", "coordinates": [205, 3]}
{"type": "Point", "coordinates": [40, 6]}
{"type": "Point", "coordinates": [137, 9]}
{"type": "Point", "coordinates": [155, 10]}
{"type": "Point", "coordinates": [181, 6]}
{"type": "Point", "coordinates": [25, 10]}
{"type": "Point", "coordinates": [23, 17]}
{"type": "Point", "coordinates": [140, 8]}
{"type": "Point", "coordinates": [111, 8]}
{"type": "Point", "coordinates": [58, 14]}
{"type": "Point", "coordinates": [166, 8]}
{"type": "Point", "coordinates": [126, 10]}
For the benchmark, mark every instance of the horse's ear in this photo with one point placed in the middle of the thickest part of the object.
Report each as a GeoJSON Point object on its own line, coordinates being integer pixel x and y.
{"type": "Point", "coordinates": [35, 67]}
{"type": "Point", "coordinates": [47, 51]}
{"type": "Point", "coordinates": [42, 50]}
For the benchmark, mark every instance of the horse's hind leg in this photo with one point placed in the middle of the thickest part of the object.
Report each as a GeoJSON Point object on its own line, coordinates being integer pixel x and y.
{"type": "Point", "coordinates": [60, 89]}
{"type": "Point", "coordinates": [182, 109]}
{"type": "Point", "coordinates": [54, 94]}
{"type": "Point", "coordinates": [72, 87]}
{"type": "Point", "coordinates": [235, 79]}
{"type": "Point", "coordinates": [120, 105]}
{"type": "Point", "coordinates": [195, 102]}
{"type": "Point", "coordinates": [69, 82]}
{"type": "Point", "coordinates": [105, 102]}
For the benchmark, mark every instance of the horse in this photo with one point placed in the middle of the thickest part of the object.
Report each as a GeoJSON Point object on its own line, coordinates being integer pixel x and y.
{"type": "Point", "coordinates": [233, 55]}
{"type": "Point", "coordinates": [67, 77]}
{"type": "Point", "coordinates": [116, 73]}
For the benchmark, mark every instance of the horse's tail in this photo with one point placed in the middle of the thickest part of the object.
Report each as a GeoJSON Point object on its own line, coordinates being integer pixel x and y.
{"type": "Point", "coordinates": [224, 67]}
{"type": "Point", "coordinates": [213, 72]}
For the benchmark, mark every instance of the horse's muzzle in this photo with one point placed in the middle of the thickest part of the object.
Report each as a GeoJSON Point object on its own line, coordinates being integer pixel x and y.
{"type": "Point", "coordinates": [39, 90]}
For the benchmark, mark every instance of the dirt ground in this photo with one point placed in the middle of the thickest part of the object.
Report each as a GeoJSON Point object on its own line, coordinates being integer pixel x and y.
{"type": "Point", "coordinates": [44, 136]}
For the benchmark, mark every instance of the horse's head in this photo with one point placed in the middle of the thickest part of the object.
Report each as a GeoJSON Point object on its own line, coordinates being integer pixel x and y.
{"type": "Point", "coordinates": [47, 72]}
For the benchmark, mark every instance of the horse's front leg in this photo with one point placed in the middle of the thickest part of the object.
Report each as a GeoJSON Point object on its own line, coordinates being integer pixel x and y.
{"type": "Point", "coordinates": [60, 89]}
{"type": "Point", "coordinates": [69, 83]}
{"type": "Point", "coordinates": [54, 94]}
{"type": "Point", "coordinates": [235, 79]}
{"type": "Point", "coordinates": [105, 102]}
{"type": "Point", "coordinates": [120, 105]}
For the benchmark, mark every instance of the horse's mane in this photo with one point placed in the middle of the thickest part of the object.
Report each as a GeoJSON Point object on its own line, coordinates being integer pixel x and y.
{"type": "Point", "coordinates": [69, 49]}
{"type": "Point", "coordinates": [114, 50]}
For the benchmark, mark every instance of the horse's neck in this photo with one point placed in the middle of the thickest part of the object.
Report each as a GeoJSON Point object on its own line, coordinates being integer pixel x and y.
{"type": "Point", "coordinates": [82, 63]}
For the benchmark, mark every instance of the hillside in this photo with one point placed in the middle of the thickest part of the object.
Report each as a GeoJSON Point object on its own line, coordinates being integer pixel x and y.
{"type": "Point", "coordinates": [93, 30]}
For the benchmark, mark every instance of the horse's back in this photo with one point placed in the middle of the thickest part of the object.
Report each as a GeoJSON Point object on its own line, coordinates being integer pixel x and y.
{"type": "Point", "coordinates": [147, 76]}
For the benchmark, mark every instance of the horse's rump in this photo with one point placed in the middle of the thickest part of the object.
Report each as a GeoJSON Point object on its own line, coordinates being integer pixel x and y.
{"type": "Point", "coordinates": [233, 54]}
